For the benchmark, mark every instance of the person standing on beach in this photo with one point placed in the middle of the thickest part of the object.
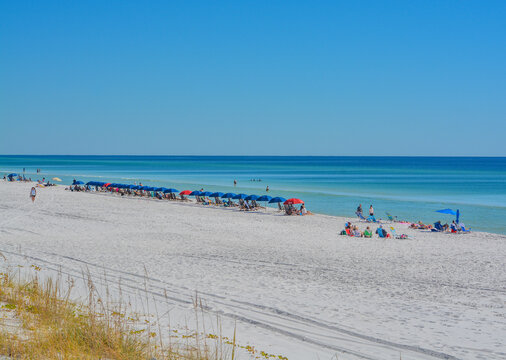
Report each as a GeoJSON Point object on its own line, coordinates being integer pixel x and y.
{"type": "Point", "coordinates": [267, 188]}
{"type": "Point", "coordinates": [371, 211]}
{"type": "Point", "coordinates": [235, 182]}
{"type": "Point", "coordinates": [33, 193]}
{"type": "Point", "coordinates": [359, 210]}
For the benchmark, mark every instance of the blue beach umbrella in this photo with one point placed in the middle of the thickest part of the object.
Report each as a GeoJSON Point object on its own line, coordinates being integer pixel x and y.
{"type": "Point", "coordinates": [240, 196]}
{"type": "Point", "coordinates": [264, 198]}
{"type": "Point", "coordinates": [12, 175]}
{"type": "Point", "coordinates": [171, 190]}
{"type": "Point", "coordinates": [228, 196]}
{"type": "Point", "coordinates": [447, 211]}
{"type": "Point", "coordinates": [159, 189]}
{"type": "Point", "coordinates": [90, 183]}
{"type": "Point", "coordinates": [78, 183]}
{"type": "Point", "coordinates": [451, 212]}
{"type": "Point", "coordinates": [206, 193]}
{"type": "Point", "coordinates": [216, 194]}
{"type": "Point", "coordinates": [277, 200]}
{"type": "Point", "coordinates": [251, 197]}
{"type": "Point", "coordinates": [196, 193]}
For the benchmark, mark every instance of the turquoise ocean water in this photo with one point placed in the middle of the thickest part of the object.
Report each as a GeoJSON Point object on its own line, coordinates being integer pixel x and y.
{"type": "Point", "coordinates": [411, 188]}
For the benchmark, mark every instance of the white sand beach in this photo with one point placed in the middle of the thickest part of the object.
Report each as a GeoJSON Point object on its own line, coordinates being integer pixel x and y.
{"type": "Point", "coordinates": [292, 285]}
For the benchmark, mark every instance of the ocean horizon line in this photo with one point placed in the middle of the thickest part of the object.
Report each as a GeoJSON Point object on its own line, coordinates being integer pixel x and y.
{"type": "Point", "coordinates": [270, 156]}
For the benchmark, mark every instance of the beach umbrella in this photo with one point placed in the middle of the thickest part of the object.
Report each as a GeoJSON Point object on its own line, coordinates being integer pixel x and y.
{"type": "Point", "coordinates": [293, 201]}
{"type": "Point", "coordinates": [132, 187]}
{"type": "Point", "coordinates": [264, 198]}
{"type": "Point", "coordinates": [228, 196]}
{"type": "Point", "coordinates": [12, 175]}
{"type": "Point", "coordinates": [195, 193]}
{"type": "Point", "coordinates": [240, 196]}
{"type": "Point", "coordinates": [136, 187]}
{"type": "Point", "coordinates": [159, 189]}
{"type": "Point", "coordinates": [170, 190]}
{"type": "Point", "coordinates": [447, 211]}
{"type": "Point", "coordinates": [78, 183]}
{"type": "Point", "coordinates": [277, 200]}
{"type": "Point", "coordinates": [216, 194]}
{"type": "Point", "coordinates": [185, 192]}
{"type": "Point", "coordinates": [107, 184]}
{"type": "Point", "coordinates": [206, 193]}
{"type": "Point", "coordinates": [251, 197]}
{"type": "Point", "coordinates": [56, 179]}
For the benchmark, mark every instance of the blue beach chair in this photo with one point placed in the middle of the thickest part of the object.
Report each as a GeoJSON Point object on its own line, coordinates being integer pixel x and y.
{"type": "Point", "coordinates": [437, 227]}
{"type": "Point", "coordinates": [463, 229]}
{"type": "Point", "coordinates": [371, 219]}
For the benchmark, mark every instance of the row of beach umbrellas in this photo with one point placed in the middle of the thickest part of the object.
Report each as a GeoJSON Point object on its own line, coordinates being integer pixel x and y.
{"type": "Point", "coordinates": [221, 195]}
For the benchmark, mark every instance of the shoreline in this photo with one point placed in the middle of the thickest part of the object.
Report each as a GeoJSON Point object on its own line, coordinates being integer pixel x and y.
{"type": "Point", "coordinates": [291, 284]}
{"type": "Point", "coordinates": [269, 209]}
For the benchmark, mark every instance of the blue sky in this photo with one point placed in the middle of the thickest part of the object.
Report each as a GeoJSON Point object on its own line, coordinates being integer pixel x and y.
{"type": "Point", "coordinates": [253, 77]}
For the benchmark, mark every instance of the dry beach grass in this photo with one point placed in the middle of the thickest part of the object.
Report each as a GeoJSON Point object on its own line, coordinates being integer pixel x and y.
{"type": "Point", "coordinates": [44, 323]}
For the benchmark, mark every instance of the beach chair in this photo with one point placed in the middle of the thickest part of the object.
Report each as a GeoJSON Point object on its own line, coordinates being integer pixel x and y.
{"type": "Point", "coordinates": [394, 233]}
{"type": "Point", "coordinates": [371, 218]}
{"type": "Point", "coordinates": [437, 227]}
{"type": "Point", "coordinates": [463, 229]}
{"type": "Point", "coordinates": [391, 218]}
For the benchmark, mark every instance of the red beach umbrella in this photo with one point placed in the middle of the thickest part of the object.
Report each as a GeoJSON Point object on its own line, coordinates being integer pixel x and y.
{"type": "Point", "coordinates": [106, 185]}
{"type": "Point", "coordinates": [185, 192]}
{"type": "Point", "coordinates": [293, 201]}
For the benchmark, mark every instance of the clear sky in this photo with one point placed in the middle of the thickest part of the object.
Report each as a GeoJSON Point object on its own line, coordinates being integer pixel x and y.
{"type": "Point", "coordinates": [253, 77]}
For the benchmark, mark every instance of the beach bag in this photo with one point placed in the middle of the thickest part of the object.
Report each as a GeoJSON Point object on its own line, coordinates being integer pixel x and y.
{"type": "Point", "coordinates": [343, 232]}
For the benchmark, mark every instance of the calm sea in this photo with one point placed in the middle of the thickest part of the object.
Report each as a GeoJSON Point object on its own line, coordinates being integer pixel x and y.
{"type": "Point", "coordinates": [411, 188]}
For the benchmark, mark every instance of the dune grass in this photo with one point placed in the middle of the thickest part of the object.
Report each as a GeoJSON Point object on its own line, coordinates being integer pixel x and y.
{"type": "Point", "coordinates": [49, 325]}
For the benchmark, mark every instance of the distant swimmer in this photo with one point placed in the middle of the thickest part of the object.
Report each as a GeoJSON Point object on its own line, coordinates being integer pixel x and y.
{"type": "Point", "coordinates": [267, 188]}
{"type": "Point", "coordinates": [33, 193]}
{"type": "Point", "coordinates": [235, 182]}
